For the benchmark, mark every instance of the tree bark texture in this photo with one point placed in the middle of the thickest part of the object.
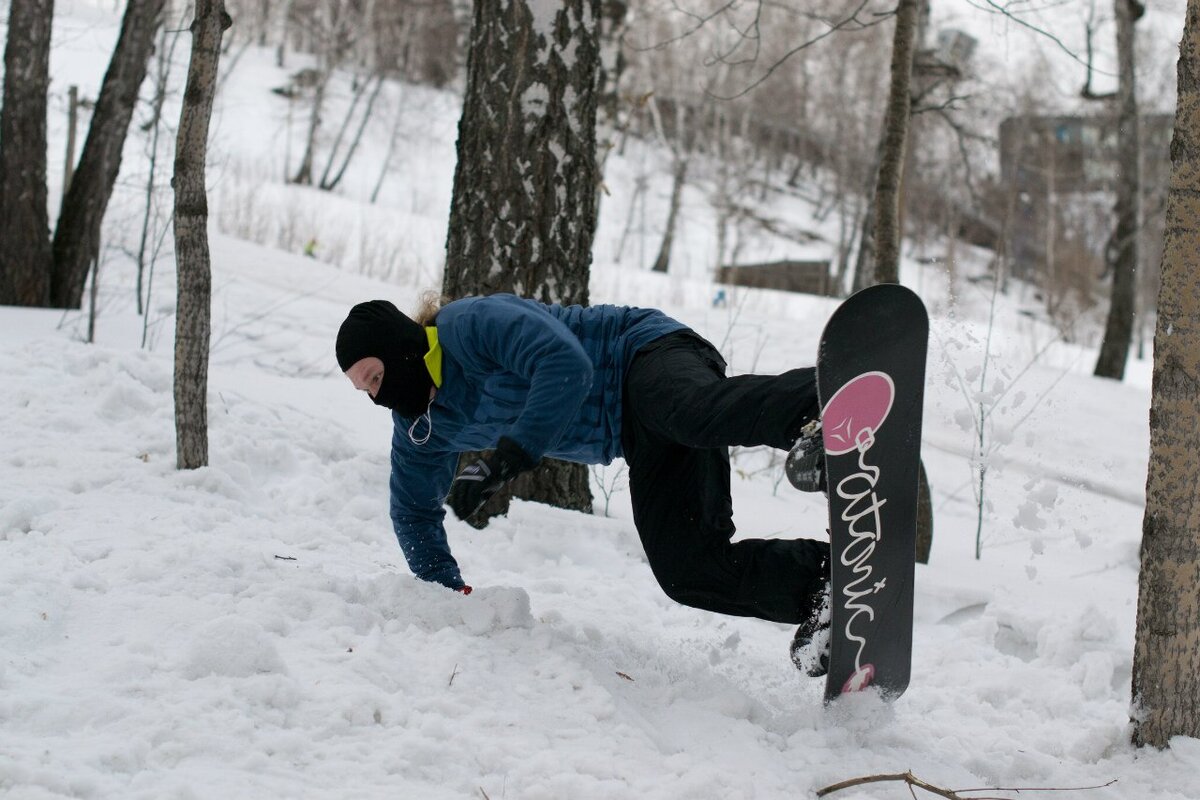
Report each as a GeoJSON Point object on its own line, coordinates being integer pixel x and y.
{"type": "Point", "coordinates": [77, 234]}
{"type": "Point", "coordinates": [523, 209]}
{"type": "Point", "coordinates": [1118, 331]}
{"type": "Point", "coordinates": [193, 307]}
{"type": "Point", "coordinates": [1166, 660]}
{"type": "Point", "coordinates": [25, 256]}
{"type": "Point", "coordinates": [895, 138]}
{"type": "Point", "coordinates": [522, 215]}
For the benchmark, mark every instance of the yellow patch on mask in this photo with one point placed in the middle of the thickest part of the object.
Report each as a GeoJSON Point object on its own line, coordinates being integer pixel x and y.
{"type": "Point", "coordinates": [433, 359]}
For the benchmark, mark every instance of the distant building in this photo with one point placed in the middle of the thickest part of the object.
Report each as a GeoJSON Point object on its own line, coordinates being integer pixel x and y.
{"type": "Point", "coordinates": [1048, 162]}
{"type": "Point", "coordinates": [955, 47]}
{"type": "Point", "coordinates": [1068, 154]}
{"type": "Point", "coordinates": [808, 277]}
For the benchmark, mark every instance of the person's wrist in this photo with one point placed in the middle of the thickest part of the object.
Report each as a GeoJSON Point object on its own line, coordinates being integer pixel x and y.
{"type": "Point", "coordinates": [513, 457]}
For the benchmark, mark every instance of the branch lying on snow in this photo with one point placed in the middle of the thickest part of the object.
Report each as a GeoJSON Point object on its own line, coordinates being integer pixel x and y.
{"type": "Point", "coordinates": [957, 794]}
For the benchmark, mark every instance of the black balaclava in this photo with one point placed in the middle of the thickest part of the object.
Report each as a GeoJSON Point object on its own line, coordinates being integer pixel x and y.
{"type": "Point", "coordinates": [377, 328]}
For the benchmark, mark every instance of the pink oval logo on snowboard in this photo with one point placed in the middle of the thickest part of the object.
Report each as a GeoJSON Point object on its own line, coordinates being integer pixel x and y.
{"type": "Point", "coordinates": [858, 408]}
{"type": "Point", "coordinates": [860, 679]}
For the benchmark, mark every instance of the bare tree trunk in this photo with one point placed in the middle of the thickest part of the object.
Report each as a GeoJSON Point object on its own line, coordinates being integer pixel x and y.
{"type": "Point", "coordinates": [386, 166]}
{"type": "Point", "coordinates": [285, 19]}
{"type": "Point", "coordinates": [193, 307]}
{"type": "Point", "coordinates": [611, 39]}
{"type": "Point", "coordinates": [359, 88]}
{"type": "Point", "coordinates": [864, 262]}
{"type": "Point", "coordinates": [162, 74]}
{"type": "Point", "coordinates": [883, 215]}
{"type": "Point", "coordinates": [895, 137]}
{"type": "Point", "coordinates": [329, 184]}
{"type": "Point", "coordinates": [463, 15]}
{"type": "Point", "coordinates": [1123, 250]}
{"type": "Point", "coordinates": [678, 180]}
{"type": "Point", "coordinates": [1166, 657]}
{"type": "Point", "coordinates": [522, 214]}
{"type": "Point", "coordinates": [304, 175]}
{"type": "Point", "coordinates": [25, 255]}
{"type": "Point", "coordinates": [77, 234]}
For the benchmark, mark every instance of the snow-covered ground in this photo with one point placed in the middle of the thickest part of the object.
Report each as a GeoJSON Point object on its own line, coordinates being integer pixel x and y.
{"type": "Point", "coordinates": [249, 629]}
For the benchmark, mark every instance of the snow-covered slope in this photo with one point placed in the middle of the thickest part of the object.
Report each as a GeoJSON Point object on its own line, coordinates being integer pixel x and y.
{"type": "Point", "coordinates": [249, 630]}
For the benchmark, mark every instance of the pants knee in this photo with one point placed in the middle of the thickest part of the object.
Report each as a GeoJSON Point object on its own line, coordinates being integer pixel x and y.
{"type": "Point", "coordinates": [691, 589]}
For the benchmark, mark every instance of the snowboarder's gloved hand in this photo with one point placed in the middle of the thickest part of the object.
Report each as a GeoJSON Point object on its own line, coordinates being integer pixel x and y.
{"type": "Point", "coordinates": [487, 475]}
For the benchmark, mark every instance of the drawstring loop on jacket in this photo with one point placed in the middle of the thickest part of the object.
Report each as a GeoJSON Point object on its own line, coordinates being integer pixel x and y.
{"type": "Point", "coordinates": [428, 417]}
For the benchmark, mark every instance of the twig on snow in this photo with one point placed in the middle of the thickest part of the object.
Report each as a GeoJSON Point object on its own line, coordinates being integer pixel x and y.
{"type": "Point", "coordinates": [913, 783]}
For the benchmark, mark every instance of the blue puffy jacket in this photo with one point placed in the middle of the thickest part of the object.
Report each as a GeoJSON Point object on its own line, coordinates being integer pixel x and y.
{"type": "Point", "coordinates": [549, 377]}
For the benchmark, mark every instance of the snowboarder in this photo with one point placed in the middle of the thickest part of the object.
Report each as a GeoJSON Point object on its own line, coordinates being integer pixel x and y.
{"type": "Point", "coordinates": [527, 380]}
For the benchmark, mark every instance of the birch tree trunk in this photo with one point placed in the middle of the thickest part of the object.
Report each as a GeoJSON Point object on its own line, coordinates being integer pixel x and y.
{"type": "Point", "coordinates": [1123, 255]}
{"type": "Point", "coordinates": [193, 307]}
{"type": "Point", "coordinates": [77, 234]}
{"type": "Point", "coordinates": [523, 209]}
{"type": "Point", "coordinates": [522, 213]}
{"type": "Point", "coordinates": [1166, 658]}
{"type": "Point", "coordinates": [25, 256]}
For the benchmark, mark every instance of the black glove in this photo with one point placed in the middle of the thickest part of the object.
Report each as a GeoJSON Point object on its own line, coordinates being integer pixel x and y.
{"type": "Point", "coordinates": [485, 476]}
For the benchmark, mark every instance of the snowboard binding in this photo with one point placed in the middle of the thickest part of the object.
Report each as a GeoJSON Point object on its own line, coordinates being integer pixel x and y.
{"type": "Point", "coordinates": [805, 465]}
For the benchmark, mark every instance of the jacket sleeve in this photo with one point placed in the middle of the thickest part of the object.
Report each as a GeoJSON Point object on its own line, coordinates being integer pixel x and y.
{"type": "Point", "coordinates": [418, 486]}
{"type": "Point", "coordinates": [518, 336]}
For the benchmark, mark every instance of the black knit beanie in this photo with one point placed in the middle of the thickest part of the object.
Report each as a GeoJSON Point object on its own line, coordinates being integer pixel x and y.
{"type": "Point", "coordinates": [377, 328]}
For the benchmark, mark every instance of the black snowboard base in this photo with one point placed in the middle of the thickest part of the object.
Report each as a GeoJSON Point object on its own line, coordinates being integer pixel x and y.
{"type": "Point", "coordinates": [870, 380]}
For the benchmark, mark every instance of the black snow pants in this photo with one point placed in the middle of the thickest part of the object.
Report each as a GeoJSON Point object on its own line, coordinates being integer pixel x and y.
{"type": "Point", "coordinates": [680, 416]}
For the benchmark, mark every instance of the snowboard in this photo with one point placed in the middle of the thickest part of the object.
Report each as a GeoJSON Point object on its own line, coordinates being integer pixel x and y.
{"type": "Point", "coordinates": [870, 383]}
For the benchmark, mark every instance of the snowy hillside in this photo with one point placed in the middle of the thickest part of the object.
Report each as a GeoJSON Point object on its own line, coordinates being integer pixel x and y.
{"type": "Point", "coordinates": [249, 630]}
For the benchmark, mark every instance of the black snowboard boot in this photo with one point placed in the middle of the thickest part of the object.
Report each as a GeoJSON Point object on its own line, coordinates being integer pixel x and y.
{"type": "Point", "coordinates": [810, 645]}
{"type": "Point", "coordinates": [805, 465]}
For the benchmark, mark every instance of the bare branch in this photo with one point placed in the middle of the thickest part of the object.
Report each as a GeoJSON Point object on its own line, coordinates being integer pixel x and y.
{"type": "Point", "coordinates": [993, 7]}
{"type": "Point", "coordinates": [699, 20]}
{"type": "Point", "coordinates": [906, 777]}
{"type": "Point", "coordinates": [1019, 789]}
{"type": "Point", "coordinates": [851, 21]}
{"type": "Point", "coordinates": [1089, 31]}
{"type": "Point", "coordinates": [949, 104]}
{"type": "Point", "coordinates": [962, 136]}
{"type": "Point", "coordinates": [913, 783]}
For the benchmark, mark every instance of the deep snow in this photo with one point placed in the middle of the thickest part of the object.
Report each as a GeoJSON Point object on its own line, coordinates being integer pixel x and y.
{"type": "Point", "coordinates": [249, 629]}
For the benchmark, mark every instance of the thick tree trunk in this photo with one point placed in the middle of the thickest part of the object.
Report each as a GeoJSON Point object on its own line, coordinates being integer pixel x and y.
{"type": "Point", "coordinates": [1118, 332]}
{"type": "Point", "coordinates": [25, 255]}
{"type": "Point", "coordinates": [1166, 658]}
{"type": "Point", "coordinates": [523, 210]}
{"type": "Point", "coordinates": [77, 234]}
{"type": "Point", "coordinates": [192, 316]}
{"type": "Point", "coordinates": [522, 214]}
